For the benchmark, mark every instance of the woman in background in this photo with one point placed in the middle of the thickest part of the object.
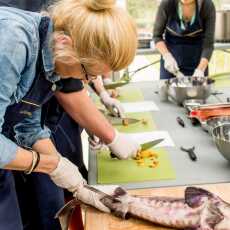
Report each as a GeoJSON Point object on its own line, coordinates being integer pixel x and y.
{"type": "Point", "coordinates": [184, 36]}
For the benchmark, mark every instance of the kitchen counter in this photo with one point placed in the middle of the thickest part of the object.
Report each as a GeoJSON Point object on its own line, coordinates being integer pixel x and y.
{"type": "Point", "coordinates": [210, 167]}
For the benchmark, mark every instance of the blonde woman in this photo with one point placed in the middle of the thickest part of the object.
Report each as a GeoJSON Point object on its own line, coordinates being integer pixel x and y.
{"type": "Point", "coordinates": [89, 39]}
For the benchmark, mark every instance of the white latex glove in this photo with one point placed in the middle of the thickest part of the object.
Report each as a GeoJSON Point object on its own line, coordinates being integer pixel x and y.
{"type": "Point", "coordinates": [180, 76]}
{"type": "Point", "coordinates": [89, 197]}
{"type": "Point", "coordinates": [95, 143]}
{"type": "Point", "coordinates": [67, 176]}
{"type": "Point", "coordinates": [124, 146]}
{"type": "Point", "coordinates": [170, 63]}
{"type": "Point", "coordinates": [107, 81]}
{"type": "Point", "coordinates": [113, 105]}
{"type": "Point", "coordinates": [198, 73]}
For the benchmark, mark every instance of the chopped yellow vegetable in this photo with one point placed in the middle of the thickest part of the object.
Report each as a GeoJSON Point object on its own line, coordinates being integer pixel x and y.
{"type": "Point", "coordinates": [144, 121]}
{"type": "Point", "coordinates": [143, 157]}
{"type": "Point", "coordinates": [125, 122]}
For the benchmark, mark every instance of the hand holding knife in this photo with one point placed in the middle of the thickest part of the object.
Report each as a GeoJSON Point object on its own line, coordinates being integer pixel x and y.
{"type": "Point", "coordinates": [145, 146]}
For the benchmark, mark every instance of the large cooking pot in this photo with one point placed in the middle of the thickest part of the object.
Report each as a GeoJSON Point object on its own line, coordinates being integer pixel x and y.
{"type": "Point", "coordinates": [222, 31]}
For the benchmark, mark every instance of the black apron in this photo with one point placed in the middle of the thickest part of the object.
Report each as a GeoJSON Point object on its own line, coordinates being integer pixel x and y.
{"type": "Point", "coordinates": [66, 134]}
{"type": "Point", "coordinates": [184, 45]}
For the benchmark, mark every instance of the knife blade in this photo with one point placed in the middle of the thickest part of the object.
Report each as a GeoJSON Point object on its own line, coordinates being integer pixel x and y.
{"type": "Point", "coordinates": [144, 146]}
{"type": "Point", "coordinates": [114, 85]}
{"type": "Point", "coordinates": [150, 144]}
{"type": "Point", "coordinates": [122, 121]}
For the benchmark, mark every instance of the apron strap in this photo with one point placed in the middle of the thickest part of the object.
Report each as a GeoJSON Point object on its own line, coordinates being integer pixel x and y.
{"type": "Point", "coordinates": [200, 2]}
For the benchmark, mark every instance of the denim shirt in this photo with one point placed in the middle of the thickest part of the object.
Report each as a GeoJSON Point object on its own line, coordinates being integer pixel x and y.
{"type": "Point", "coordinates": [19, 48]}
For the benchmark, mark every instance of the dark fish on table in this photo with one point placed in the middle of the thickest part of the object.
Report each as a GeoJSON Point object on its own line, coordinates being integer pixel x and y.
{"type": "Point", "coordinates": [199, 210]}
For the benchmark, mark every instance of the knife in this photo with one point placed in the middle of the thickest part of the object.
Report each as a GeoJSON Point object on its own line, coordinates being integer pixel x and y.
{"type": "Point", "coordinates": [118, 120]}
{"type": "Point", "coordinates": [121, 121]}
{"type": "Point", "coordinates": [144, 146]}
{"type": "Point", "coordinates": [114, 85]}
{"type": "Point", "coordinates": [150, 144]}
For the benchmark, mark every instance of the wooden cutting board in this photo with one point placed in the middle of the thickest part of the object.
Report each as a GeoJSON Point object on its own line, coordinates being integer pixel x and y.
{"type": "Point", "coordinates": [95, 220]}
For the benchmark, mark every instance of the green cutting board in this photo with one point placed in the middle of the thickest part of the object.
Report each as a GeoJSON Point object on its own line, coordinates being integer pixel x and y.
{"type": "Point", "coordinates": [130, 94]}
{"type": "Point", "coordinates": [222, 82]}
{"type": "Point", "coordinates": [139, 126]}
{"type": "Point", "coordinates": [114, 171]}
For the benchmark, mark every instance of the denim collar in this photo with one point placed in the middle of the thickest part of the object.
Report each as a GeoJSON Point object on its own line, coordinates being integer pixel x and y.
{"type": "Point", "coordinates": [47, 55]}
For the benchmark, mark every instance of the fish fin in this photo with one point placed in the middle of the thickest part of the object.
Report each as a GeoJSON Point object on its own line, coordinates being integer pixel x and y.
{"type": "Point", "coordinates": [193, 196]}
{"type": "Point", "coordinates": [65, 213]}
{"type": "Point", "coordinates": [210, 217]}
{"type": "Point", "coordinates": [118, 208]}
{"type": "Point", "coordinates": [119, 191]}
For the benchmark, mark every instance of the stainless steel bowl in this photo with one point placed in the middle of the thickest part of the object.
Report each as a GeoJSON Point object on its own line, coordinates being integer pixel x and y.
{"type": "Point", "coordinates": [213, 122]}
{"type": "Point", "coordinates": [187, 88]}
{"type": "Point", "coordinates": [221, 136]}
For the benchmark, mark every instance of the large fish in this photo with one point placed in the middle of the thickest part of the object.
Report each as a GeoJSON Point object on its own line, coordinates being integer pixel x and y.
{"type": "Point", "coordinates": [199, 210]}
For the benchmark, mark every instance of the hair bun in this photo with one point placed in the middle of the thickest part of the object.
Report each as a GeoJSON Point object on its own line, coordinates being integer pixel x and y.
{"type": "Point", "coordinates": [98, 5]}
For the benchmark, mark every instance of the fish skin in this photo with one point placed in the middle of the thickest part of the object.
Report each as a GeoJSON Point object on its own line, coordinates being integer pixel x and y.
{"type": "Point", "coordinates": [199, 210]}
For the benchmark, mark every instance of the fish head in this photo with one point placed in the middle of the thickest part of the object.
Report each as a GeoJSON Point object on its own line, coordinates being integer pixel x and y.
{"type": "Point", "coordinates": [119, 205]}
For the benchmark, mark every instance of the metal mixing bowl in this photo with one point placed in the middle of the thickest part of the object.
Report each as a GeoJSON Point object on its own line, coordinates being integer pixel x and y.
{"type": "Point", "coordinates": [221, 136]}
{"type": "Point", "coordinates": [188, 88]}
{"type": "Point", "coordinates": [213, 122]}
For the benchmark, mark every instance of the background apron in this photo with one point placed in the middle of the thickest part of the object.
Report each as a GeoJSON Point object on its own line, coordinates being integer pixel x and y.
{"type": "Point", "coordinates": [66, 134]}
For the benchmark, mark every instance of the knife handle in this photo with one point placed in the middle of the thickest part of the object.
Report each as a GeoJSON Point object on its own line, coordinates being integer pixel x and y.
{"type": "Point", "coordinates": [112, 155]}
{"type": "Point", "coordinates": [192, 155]}
{"type": "Point", "coordinates": [190, 152]}
{"type": "Point", "coordinates": [180, 121]}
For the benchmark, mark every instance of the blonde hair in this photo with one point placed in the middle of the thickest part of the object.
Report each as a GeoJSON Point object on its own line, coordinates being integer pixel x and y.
{"type": "Point", "coordinates": [101, 32]}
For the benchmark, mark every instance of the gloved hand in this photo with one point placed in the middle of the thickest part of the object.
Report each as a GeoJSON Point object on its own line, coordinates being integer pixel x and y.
{"type": "Point", "coordinates": [170, 63]}
{"type": "Point", "coordinates": [123, 146]}
{"type": "Point", "coordinates": [198, 73]}
{"type": "Point", "coordinates": [89, 197]}
{"type": "Point", "coordinates": [67, 176]}
{"type": "Point", "coordinates": [107, 81]}
{"type": "Point", "coordinates": [113, 105]}
{"type": "Point", "coordinates": [95, 143]}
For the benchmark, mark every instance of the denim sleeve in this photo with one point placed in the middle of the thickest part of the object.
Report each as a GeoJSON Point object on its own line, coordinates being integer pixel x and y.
{"type": "Point", "coordinates": [29, 130]}
{"type": "Point", "coordinates": [12, 62]}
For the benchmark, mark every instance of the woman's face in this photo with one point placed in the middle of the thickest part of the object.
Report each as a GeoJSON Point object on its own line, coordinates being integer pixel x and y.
{"type": "Point", "coordinates": [94, 71]}
{"type": "Point", "coordinates": [77, 70]}
{"type": "Point", "coordinates": [187, 2]}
